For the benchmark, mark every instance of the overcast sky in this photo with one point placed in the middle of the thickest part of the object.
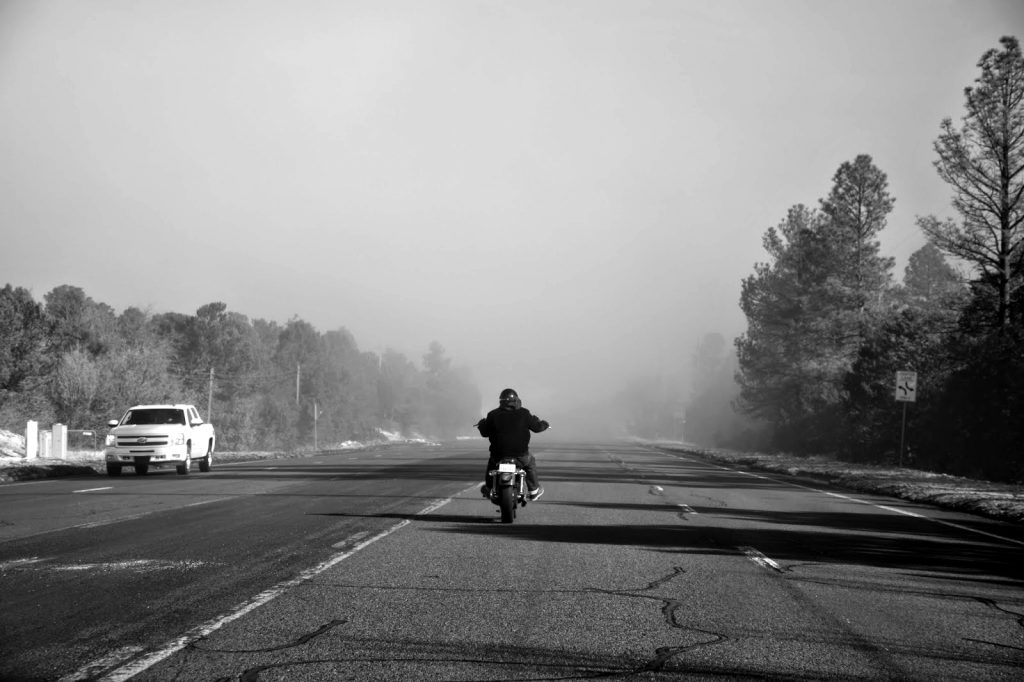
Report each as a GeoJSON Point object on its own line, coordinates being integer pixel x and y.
{"type": "Point", "coordinates": [562, 193]}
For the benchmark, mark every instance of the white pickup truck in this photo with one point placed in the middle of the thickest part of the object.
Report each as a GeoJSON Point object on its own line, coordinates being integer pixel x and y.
{"type": "Point", "coordinates": [159, 435]}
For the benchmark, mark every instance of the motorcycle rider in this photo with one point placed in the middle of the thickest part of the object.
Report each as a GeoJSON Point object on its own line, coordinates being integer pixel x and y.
{"type": "Point", "coordinates": [508, 427]}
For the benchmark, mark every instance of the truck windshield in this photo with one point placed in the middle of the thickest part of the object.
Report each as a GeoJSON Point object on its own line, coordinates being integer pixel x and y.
{"type": "Point", "coordinates": [156, 416]}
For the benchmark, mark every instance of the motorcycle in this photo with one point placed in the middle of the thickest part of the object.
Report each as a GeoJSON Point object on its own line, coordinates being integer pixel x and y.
{"type": "Point", "coordinates": [508, 488]}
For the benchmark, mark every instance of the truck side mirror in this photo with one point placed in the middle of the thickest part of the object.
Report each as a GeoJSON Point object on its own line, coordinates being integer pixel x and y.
{"type": "Point", "coordinates": [112, 423]}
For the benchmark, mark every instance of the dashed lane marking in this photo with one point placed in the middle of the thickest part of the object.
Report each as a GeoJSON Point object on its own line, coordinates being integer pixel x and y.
{"type": "Point", "coordinates": [93, 490]}
{"type": "Point", "coordinates": [760, 559]}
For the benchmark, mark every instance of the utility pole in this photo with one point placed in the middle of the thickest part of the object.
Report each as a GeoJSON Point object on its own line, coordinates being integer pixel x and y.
{"type": "Point", "coordinates": [298, 373]}
{"type": "Point", "coordinates": [316, 415]}
{"type": "Point", "coordinates": [209, 399]}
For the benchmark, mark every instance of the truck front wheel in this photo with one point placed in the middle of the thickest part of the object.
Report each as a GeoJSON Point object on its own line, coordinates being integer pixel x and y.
{"type": "Point", "coordinates": [185, 466]}
{"type": "Point", "coordinates": [113, 469]}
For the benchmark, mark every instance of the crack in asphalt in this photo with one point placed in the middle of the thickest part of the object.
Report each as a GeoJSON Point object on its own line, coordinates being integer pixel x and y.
{"type": "Point", "coordinates": [280, 647]}
{"type": "Point", "coordinates": [252, 674]}
{"type": "Point", "coordinates": [991, 603]}
{"type": "Point", "coordinates": [662, 655]}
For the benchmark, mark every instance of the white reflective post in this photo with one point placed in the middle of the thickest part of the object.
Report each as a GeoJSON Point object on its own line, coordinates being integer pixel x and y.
{"type": "Point", "coordinates": [60, 441]}
{"type": "Point", "coordinates": [31, 439]}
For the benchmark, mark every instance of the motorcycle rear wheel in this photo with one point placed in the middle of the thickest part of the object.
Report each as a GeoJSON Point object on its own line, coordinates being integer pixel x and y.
{"type": "Point", "coordinates": [507, 502]}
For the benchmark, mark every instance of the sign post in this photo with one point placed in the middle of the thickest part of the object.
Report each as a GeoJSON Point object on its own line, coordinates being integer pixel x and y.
{"type": "Point", "coordinates": [906, 392]}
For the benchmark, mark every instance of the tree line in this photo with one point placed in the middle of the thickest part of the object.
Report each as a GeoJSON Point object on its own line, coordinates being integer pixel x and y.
{"type": "Point", "coordinates": [828, 327]}
{"type": "Point", "coordinates": [69, 359]}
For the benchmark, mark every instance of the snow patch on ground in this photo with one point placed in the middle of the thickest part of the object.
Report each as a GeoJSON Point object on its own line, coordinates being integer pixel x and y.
{"type": "Point", "coordinates": [11, 444]}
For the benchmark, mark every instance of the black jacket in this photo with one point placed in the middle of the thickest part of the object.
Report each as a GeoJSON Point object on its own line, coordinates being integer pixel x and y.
{"type": "Point", "coordinates": [509, 430]}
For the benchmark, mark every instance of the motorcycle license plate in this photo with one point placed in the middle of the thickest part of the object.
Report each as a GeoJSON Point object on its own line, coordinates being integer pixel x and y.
{"type": "Point", "coordinates": [506, 468]}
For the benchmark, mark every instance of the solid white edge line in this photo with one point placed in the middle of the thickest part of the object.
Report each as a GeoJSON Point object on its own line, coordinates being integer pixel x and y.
{"type": "Point", "coordinates": [870, 504]}
{"type": "Point", "coordinates": [205, 629]}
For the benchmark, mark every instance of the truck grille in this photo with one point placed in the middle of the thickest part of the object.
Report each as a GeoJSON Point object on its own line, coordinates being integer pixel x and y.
{"type": "Point", "coordinates": [141, 441]}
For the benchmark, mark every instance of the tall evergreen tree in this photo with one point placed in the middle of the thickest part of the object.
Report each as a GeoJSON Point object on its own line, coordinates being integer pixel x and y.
{"type": "Point", "coordinates": [857, 208]}
{"type": "Point", "coordinates": [784, 377]}
{"type": "Point", "coordinates": [23, 334]}
{"type": "Point", "coordinates": [810, 308]}
{"type": "Point", "coordinates": [983, 161]}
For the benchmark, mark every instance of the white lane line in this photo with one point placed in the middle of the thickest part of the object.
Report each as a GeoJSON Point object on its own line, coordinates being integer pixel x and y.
{"type": "Point", "coordinates": [760, 559]}
{"type": "Point", "coordinates": [14, 563]}
{"type": "Point", "coordinates": [92, 490]}
{"type": "Point", "coordinates": [129, 670]}
{"type": "Point", "coordinates": [101, 664]}
{"type": "Point", "coordinates": [686, 509]}
{"type": "Point", "coordinates": [880, 506]}
{"type": "Point", "coordinates": [137, 565]}
{"type": "Point", "coordinates": [922, 516]}
{"type": "Point", "coordinates": [873, 504]}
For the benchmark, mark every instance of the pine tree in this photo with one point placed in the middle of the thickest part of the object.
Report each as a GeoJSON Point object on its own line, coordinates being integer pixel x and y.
{"type": "Point", "coordinates": [983, 161]}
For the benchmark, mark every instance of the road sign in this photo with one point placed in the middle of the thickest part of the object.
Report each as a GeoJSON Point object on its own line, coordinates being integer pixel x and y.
{"type": "Point", "coordinates": [906, 387]}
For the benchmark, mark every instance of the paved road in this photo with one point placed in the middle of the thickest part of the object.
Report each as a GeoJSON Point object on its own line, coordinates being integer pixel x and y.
{"type": "Point", "coordinates": [636, 564]}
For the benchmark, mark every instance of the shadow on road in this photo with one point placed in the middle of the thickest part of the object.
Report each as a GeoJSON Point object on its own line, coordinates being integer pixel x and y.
{"type": "Point", "coordinates": [866, 539]}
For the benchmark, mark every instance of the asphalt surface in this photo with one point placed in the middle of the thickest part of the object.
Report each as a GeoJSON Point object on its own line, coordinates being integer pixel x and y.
{"type": "Point", "coordinates": [636, 564]}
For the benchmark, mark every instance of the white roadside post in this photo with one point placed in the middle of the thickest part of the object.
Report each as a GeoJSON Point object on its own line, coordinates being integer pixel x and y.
{"type": "Point", "coordinates": [31, 439]}
{"type": "Point", "coordinates": [906, 392]}
{"type": "Point", "coordinates": [60, 441]}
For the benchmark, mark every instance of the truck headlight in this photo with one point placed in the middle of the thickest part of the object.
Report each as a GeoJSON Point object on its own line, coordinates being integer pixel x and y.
{"type": "Point", "coordinates": [110, 441]}
{"type": "Point", "coordinates": [176, 439]}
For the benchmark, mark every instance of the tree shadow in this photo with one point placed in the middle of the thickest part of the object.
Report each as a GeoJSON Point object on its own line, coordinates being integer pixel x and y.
{"type": "Point", "coordinates": [879, 540]}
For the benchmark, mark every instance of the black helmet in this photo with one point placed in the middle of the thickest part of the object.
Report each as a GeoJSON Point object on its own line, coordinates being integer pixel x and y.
{"type": "Point", "coordinates": [509, 397]}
